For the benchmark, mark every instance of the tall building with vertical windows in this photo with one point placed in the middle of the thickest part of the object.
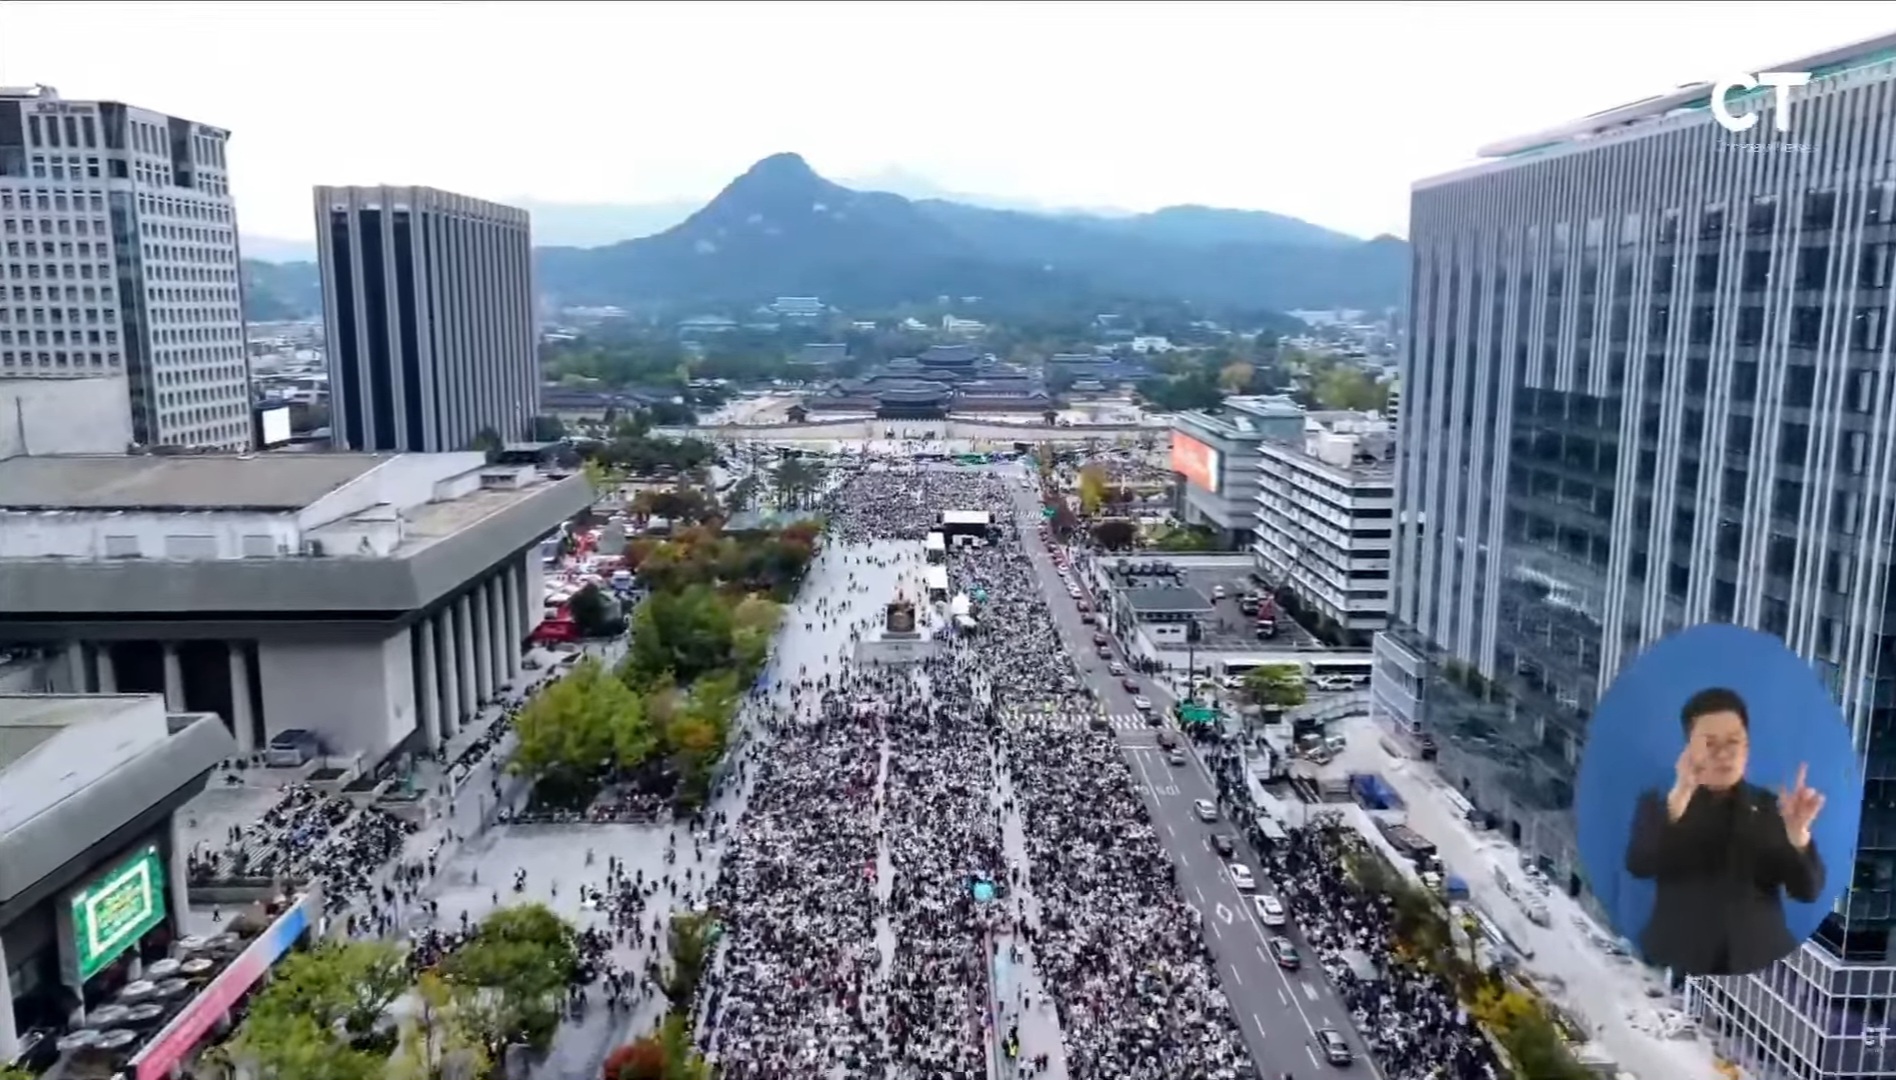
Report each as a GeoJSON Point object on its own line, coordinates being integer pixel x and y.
{"type": "Point", "coordinates": [428, 308]}
{"type": "Point", "coordinates": [1649, 383]}
{"type": "Point", "coordinates": [118, 260]}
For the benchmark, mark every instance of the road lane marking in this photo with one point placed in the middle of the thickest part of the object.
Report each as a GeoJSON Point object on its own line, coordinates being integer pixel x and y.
{"type": "Point", "coordinates": [1223, 913]}
{"type": "Point", "coordinates": [1309, 991]}
{"type": "Point", "coordinates": [1260, 1026]}
{"type": "Point", "coordinates": [1168, 829]}
{"type": "Point", "coordinates": [1215, 932]}
{"type": "Point", "coordinates": [1313, 1056]}
{"type": "Point", "coordinates": [1239, 979]}
{"type": "Point", "coordinates": [1261, 956]}
{"type": "Point", "coordinates": [1200, 892]}
{"type": "Point", "coordinates": [1283, 997]}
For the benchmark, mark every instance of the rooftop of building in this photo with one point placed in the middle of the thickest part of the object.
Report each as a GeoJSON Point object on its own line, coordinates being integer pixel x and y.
{"type": "Point", "coordinates": [1162, 597]}
{"type": "Point", "coordinates": [1687, 105]}
{"type": "Point", "coordinates": [246, 533]}
{"type": "Point", "coordinates": [1242, 419]}
{"type": "Point", "coordinates": [76, 768]}
{"type": "Point", "coordinates": [191, 482]}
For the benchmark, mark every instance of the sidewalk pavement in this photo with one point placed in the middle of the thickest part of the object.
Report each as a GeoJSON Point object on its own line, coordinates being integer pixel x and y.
{"type": "Point", "coordinates": [1621, 1002]}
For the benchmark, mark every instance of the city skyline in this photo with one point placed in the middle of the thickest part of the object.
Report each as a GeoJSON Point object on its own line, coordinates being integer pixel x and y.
{"type": "Point", "coordinates": [1173, 127]}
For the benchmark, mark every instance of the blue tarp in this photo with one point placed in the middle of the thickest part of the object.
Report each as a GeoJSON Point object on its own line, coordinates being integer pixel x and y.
{"type": "Point", "coordinates": [1374, 792]}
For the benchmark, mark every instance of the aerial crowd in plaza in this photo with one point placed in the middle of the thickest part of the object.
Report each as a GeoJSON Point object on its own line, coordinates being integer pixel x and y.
{"type": "Point", "coordinates": [903, 826]}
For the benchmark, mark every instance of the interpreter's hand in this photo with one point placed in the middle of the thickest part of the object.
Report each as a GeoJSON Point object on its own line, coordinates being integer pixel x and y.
{"type": "Point", "coordinates": [1684, 783]}
{"type": "Point", "coordinates": [1799, 808]}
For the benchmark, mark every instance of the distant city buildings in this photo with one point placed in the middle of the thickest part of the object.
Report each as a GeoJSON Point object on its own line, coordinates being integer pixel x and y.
{"type": "Point", "coordinates": [428, 313]}
{"type": "Point", "coordinates": [798, 308]}
{"type": "Point", "coordinates": [121, 266]}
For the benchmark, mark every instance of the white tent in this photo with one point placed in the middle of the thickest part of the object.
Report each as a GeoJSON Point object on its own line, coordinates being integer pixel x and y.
{"type": "Point", "coordinates": [960, 605]}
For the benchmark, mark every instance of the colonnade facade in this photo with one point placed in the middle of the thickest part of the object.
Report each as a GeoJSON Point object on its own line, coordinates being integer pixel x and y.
{"type": "Point", "coordinates": [465, 649]}
{"type": "Point", "coordinates": [468, 648]}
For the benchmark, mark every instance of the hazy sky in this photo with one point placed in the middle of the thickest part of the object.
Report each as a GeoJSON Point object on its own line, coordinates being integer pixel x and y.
{"type": "Point", "coordinates": [1325, 111]}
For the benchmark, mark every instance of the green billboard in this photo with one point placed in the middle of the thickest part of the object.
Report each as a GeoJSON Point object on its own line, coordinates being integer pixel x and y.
{"type": "Point", "coordinates": [112, 913]}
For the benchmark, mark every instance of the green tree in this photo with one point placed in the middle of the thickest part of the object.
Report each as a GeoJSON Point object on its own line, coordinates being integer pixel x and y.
{"type": "Point", "coordinates": [1115, 534]}
{"type": "Point", "coordinates": [439, 1039]}
{"type": "Point", "coordinates": [1345, 386]}
{"type": "Point", "coordinates": [487, 441]}
{"type": "Point", "coordinates": [548, 429]}
{"type": "Point", "coordinates": [277, 1042]}
{"type": "Point", "coordinates": [580, 725]}
{"type": "Point", "coordinates": [598, 474]}
{"type": "Point", "coordinates": [1235, 377]}
{"type": "Point", "coordinates": [743, 494]}
{"type": "Point", "coordinates": [1092, 489]}
{"type": "Point", "coordinates": [690, 936]}
{"type": "Point", "coordinates": [1276, 686]}
{"type": "Point", "coordinates": [592, 612]}
{"type": "Point", "coordinates": [518, 963]}
{"type": "Point", "coordinates": [686, 633]}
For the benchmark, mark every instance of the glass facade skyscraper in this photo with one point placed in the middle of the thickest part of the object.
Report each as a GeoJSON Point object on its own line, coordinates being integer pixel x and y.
{"type": "Point", "coordinates": [1649, 383]}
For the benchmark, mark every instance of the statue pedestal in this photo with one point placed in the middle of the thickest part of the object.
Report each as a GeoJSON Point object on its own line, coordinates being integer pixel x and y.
{"type": "Point", "coordinates": [899, 641]}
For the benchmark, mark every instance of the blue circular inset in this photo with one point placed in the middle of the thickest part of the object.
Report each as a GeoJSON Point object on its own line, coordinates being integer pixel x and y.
{"type": "Point", "coordinates": [1703, 893]}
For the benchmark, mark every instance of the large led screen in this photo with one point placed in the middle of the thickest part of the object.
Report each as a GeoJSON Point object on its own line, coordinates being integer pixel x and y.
{"type": "Point", "coordinates": [1196, 462]}
{"type": "Point", "coordinates": [112, 913]}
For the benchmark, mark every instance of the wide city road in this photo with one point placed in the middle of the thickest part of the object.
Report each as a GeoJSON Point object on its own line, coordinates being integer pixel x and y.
{"type": "Point", "coordinates": [1280, 1011]}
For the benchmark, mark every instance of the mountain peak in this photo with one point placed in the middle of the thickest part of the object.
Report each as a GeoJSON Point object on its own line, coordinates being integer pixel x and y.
{"type": "Point", "coordinates": [782, 168]}
{"type": "Point", "coordinates": [778, 184]}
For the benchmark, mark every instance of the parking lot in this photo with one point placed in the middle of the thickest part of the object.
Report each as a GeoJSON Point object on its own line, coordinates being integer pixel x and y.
{"type": "Point", "coordinates": [1231, 629]}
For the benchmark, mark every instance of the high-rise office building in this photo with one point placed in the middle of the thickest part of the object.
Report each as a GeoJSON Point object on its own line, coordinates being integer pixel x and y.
{"type": "Point", "coordinates": [429, 318]}
{"type": "Point", "coordinates": [1648, 384]}
{"type": "Point", "coordinates": [118, 258]}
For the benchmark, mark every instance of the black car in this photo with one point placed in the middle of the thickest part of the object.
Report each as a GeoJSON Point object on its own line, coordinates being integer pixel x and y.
{"type": "Point", "coordinates": [1223, 845]}
{"type": "Point", "coordinates": [1285, 954]}
{"type": "Point", "coordinates": [1335, 1050]}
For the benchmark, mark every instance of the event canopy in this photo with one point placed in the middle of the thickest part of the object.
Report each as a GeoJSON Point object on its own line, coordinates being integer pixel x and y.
{"type": "Point", "coordinates": [960, 605]}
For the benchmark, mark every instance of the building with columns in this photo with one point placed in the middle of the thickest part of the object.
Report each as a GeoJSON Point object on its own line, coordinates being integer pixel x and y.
{"type": "Point", "coordinates": [89, 824]}
{"type": "Point", "coordinates": [374, 600]}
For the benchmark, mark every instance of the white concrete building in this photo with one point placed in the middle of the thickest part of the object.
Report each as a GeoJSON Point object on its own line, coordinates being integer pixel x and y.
{"type": "Point", "coordinates": [118, 257]}
{"type": "Point", "coordinates": [1326, 518]}
{"type": "Point", "coordinates": [1214, 454]}
{"type": "Point", "coordinates": [373, 600]}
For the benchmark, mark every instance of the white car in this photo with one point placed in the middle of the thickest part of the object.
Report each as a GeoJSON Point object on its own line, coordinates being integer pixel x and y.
{"type": "Point", "coordinates": [1241, 877]}
{"type": "Point", "coordinates": [1270, 911]}
{"type": "Point", "coordinates": [1333, 683]}
{"type": "Point", "coordinates": [1204, 809]}
{"type": "Point", "coordinates": [1143, 704]}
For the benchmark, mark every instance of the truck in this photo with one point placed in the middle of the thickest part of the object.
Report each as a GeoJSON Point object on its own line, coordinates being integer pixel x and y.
{"type": "Point", "coordinates": [1264, 622]}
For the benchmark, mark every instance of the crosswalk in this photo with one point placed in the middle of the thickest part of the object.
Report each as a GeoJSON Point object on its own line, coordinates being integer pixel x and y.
{"type": "Point", "coordinates": [1069, 719]}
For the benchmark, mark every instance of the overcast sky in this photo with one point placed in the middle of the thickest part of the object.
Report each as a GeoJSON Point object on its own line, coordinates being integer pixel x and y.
{"type": "Point", "coordinates": [1324, 111]}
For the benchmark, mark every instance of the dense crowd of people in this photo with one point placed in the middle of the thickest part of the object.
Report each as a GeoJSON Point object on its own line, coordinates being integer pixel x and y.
{"type": "Point", "coordinates": [280, 843]}
{"type": "Point", "coordinates": [1409, 1017]}
{"type": "Point", "coordinates": [867, 881]}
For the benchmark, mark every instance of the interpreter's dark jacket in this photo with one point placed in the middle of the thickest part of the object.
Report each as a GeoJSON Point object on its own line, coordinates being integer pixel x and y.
{"type": "Point", "coordinates": [1721, 871]}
